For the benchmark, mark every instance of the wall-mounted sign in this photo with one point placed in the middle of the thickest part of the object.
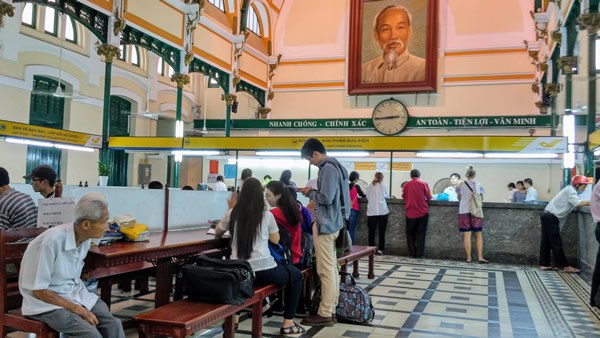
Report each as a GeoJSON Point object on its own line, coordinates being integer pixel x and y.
{"type": "Point", "coordinates": [517, 121]}
{"type": "Point", "coordinates": [27, 131]}
{"type": "Point", "coordinates": [55, 211]}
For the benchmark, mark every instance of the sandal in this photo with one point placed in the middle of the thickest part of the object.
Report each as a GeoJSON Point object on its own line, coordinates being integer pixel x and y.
{"type": "Point", "coordinates": [294, 329]}
{"type": "Point", "coordinates": [483, 261]}
{"type": "Point", "coordinates": [546, 268]}
{"type": "Point", "coordinates": [570, 269]}
{"type": "Point", "coordinates": [469, 261]}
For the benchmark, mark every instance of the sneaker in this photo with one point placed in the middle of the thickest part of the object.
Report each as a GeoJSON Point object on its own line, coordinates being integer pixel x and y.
{"type": "Point", "coordinates": [316, 320]}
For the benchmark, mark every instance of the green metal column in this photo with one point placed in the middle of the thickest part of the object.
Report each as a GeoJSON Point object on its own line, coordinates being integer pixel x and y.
{"type": "Point", "coordinates": [177, 119]}
{"type": "Point", "coordinates": [227, 119]}
{"type": "Point", "coordinates": [591, 118]}
{"type": "Point", "coordinates": [109, 52]}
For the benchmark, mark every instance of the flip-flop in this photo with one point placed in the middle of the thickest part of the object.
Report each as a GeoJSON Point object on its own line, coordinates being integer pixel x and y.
{"type": "Point", "coordinates": [546, 268]}
{"type": "Point", "coordinates": [469, 262]}
{"type": "Point", "coordinates": [483, 261]}
{"type": "Point", "coordinates": [570, 269]}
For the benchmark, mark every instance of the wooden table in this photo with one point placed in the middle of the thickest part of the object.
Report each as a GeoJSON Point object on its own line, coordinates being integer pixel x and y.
{"type": "Point", "coordinates": [159, 250]}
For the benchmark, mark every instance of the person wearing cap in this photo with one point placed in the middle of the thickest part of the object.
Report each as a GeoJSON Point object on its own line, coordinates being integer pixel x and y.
{"type": "Point", "coordinates": [42, 179]}
{"type": "Point", "coordinates": [17, 209]}
{"type": "Point", "coordinates": [50, 282]}
{"type": "Point", "coordinates": [553, 217]}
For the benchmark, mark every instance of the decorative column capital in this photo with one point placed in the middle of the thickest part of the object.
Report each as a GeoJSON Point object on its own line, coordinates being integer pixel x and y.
{"type": "Point", "coordinates": [263, 112]}
{"type": "Point", "coordinates": [589, 21]}
{"type": "Point", "coordinates": [6, 9]}
{"type": "Point", "coordinates": [568, 64]}
{"type": "Point", "coordinates": [180, 79]}
{"type": "Point", "coordinates": [108, 51]}
{"type": "Point", "coordinates": [552, 89]}
{"type": "Point", "coordinates": [229, 98]}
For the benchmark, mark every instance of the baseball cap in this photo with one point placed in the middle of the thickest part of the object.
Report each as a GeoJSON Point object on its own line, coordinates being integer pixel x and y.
{"type": "Point", "coordinates": [4, 180]}
{"type": "Point", "coordinates": [42, 172]}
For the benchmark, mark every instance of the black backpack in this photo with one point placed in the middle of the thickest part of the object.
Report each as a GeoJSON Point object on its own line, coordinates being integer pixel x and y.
{"type": "Point", "coordinates": [308, 250]}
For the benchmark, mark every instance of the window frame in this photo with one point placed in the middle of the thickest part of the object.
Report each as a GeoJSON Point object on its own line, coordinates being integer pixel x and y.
{"type": "Point", "coordinates": [55, 33]}
{"type": "Point", "coordinates": [34, 16]}
{"type": "Point", "coordinates": [249, 19]}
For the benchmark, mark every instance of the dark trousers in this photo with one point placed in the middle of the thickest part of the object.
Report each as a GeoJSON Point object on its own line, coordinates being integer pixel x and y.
{"type": "Point", "coordinates": [291, 277]}
{"type": "Point", "coordinates": [551, 245]}
{"type": "Point", "coordinates": [596, 274]}
{"type": "Point", "coordinates": [377, 222]}
{"type": "Point", "coordinates": [352, 221]}
{"type": "Point", "coordinates": [416, 228]}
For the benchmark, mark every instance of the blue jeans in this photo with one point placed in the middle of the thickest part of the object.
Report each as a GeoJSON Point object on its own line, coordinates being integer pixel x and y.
{"type": "Point", "coordinates": [352, 221]}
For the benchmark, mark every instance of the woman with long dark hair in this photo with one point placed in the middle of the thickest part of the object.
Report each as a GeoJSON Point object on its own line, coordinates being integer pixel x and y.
{"type": "Point", "coordinates": [355, 193]}
{"type": "Point", "coordinates": [251, 226]}
{"type": "Point", "coordinates": [287, 215]}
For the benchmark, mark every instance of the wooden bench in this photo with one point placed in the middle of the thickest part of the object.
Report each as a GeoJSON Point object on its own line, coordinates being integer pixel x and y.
{"type": "Point", "coordinates": [11, 254]}
{"type": "Point", "coordinates": [183, 318]}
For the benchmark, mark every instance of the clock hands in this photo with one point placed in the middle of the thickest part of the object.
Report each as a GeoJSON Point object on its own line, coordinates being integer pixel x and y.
{"type": "Point", "coordinates": [387, 117]}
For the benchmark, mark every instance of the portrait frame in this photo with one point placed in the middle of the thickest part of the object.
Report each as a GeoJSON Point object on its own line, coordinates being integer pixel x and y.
{"type": "Point", "coordinates": [361, 32]}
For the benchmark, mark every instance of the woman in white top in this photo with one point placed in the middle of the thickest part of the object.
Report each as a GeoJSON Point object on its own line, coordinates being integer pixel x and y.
{"type": "Point", "coordinates": [377, 211]}
{"type": "Point", "coordinates": [252, 226]}
{"type": "Point", "coordinates": [467, 222]}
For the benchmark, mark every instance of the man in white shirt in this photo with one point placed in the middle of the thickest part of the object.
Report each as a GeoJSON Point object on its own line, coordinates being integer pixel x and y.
{"type": "Point", "coordinates": [553, 217]}
{"type": "Point", "coordinates": [220, 186]}
{"type": "Point", "coordinates": [532, 194]}
{"type": "Point", "coordinates": [50, 282]}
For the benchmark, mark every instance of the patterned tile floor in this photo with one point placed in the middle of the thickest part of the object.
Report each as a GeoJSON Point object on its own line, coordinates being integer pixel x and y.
{"type": "Point", "coordinates": [435, 298]}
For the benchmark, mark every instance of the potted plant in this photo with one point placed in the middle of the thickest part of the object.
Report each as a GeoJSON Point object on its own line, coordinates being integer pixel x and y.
{"type": "Point", "coordinates": [103, 172]}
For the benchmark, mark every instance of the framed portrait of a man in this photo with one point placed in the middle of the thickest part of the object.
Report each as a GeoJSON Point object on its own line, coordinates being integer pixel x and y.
{"type": "Point", "coordinates": [393, 46]}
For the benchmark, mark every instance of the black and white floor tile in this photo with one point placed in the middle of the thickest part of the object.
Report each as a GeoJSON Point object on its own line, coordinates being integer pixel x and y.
{"type": "Point", "coordinates": [436, 298]}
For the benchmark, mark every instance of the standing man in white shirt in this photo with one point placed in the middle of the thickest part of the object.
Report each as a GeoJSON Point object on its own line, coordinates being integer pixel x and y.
{"type": "Point", "coordinates": [220, 186]}
{"type": "Point", "coordinates": [532, 194]}
{"type": "Point", "coordinates": [553, 217]}
{"type": "Point", "coordinates": [50, 282]}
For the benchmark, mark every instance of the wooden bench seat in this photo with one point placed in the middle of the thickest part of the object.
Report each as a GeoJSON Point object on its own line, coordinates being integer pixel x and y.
{"type": "Point", "coordinates": [184, 317]}
{"type": "Point", "coordinates": [11, 253]}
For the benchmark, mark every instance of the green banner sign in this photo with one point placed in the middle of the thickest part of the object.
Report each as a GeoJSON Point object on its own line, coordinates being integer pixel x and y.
{"type": "Point", "coordinates": [528, 121]}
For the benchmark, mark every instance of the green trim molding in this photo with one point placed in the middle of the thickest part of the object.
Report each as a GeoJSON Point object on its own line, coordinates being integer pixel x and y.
{"type": "Point", "coordinates": [527, 121]}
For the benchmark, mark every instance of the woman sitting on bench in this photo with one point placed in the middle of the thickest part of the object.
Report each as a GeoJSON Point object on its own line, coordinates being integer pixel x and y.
{"type": "Point", "coordinates": [251, 226]}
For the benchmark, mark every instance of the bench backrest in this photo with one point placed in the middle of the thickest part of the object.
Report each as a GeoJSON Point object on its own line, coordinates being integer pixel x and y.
{"type": "Point", "coordinates": [13, 243]}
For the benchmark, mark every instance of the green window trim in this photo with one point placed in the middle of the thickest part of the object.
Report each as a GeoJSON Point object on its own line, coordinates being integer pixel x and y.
{"type": "Point", "coordinates": [55, 32]}
{"type": "Point", "coordinates": [135, 52]}
{"type": "Point", "coordinates": [34, 16]}
{"type": "Point", "coordinates": [75, 36]}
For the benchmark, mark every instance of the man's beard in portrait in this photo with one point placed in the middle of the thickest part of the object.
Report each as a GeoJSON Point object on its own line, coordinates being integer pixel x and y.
{"type": "Point", "coordinates": [390, 56]}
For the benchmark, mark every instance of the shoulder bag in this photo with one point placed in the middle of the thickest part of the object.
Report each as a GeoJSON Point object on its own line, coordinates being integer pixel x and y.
{"type": "Point", "coordinates": [476, 208]}
{"type": "Point", "coordinates": [221, 281]}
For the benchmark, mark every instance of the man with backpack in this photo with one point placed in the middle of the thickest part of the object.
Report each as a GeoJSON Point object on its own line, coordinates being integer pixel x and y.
{"type": "Point", "coordinates": [329, 197]}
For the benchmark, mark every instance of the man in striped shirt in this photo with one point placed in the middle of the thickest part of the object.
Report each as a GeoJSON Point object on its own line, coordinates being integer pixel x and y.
{"type": "Point", "coordinates": [17, 210]}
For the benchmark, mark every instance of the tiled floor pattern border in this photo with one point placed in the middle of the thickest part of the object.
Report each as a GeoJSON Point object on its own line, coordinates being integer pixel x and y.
{"type": "Point", "coordinates": [436, 298]}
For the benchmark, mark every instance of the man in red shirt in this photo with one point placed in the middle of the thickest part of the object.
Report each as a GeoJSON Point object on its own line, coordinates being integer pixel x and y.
{"type": "Point", "coordinates": [416, 193]}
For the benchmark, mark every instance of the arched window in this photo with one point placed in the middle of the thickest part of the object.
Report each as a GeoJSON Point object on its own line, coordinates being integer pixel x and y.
{"type": "Point", "coordinates": [253, 24]}
{"type": "Point", "coordinates": [29, 15]}
{"type": "Point", "coordinates": [123, 55]}
{"type": "Point", "coordinates": [135, 56]}
{"type": "Point", "coordinates": [50, 21]}
{"type": "Point", "coordinates": [218, 3]}
{"type": "Point", "coordinates": [160, 69]}
{"type": "Point", "coordinates": [70, 31]}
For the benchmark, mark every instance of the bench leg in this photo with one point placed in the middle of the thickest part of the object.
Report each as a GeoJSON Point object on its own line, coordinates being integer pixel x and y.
{"type": "Point", "coordinates": [257, 310]}
{"type": "Point", "coordinates": [163, 283]}
{"type": "Point", "coordinates": [229, 327]}
{"type": "Point", "coordinates": [105, 285]}
{"type": "Point", "coordinates": [371, 274]}
{"type": "Point", "coordinates": [355, 272]}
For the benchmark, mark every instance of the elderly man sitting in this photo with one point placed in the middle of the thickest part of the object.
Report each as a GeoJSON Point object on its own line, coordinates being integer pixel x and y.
{"type": "Point", "coordinates": [49, 278]}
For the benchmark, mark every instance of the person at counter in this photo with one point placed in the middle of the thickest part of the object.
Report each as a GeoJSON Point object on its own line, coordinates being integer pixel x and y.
{"type": "Point", "coordinates": [520, 193]}
{"type": "Point", "coordinates": [42, 179]}
{"type": "Point", "coordinates": [451, 190]}
{"type": "Point", "coordinates": [377, 211]}
{"type": "Point", "coordinates": [220, 185]}
{"type": "Point", "coordinates": [355, 193]}
{"type": "Point", "coordinates": [552, 218]}
{"type": "Point", "coordinates": [512, 188]}
{"type": "Point", "coordinates": [467, 222]}
{"type": "Point", "coordinates": [532, 194]}
{"type": "Point", "coordinates": [17, 209]}
{"type": "Point", "coordinates": [595, 210]}
{"type": "Point", "coordinates": [50, 282]}
{"type": "Point", "coordinates": [415, 194]}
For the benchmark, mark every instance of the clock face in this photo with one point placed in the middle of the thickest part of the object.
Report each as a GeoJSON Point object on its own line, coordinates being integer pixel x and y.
{"type": "Point", "coordinates": [390, 117]}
